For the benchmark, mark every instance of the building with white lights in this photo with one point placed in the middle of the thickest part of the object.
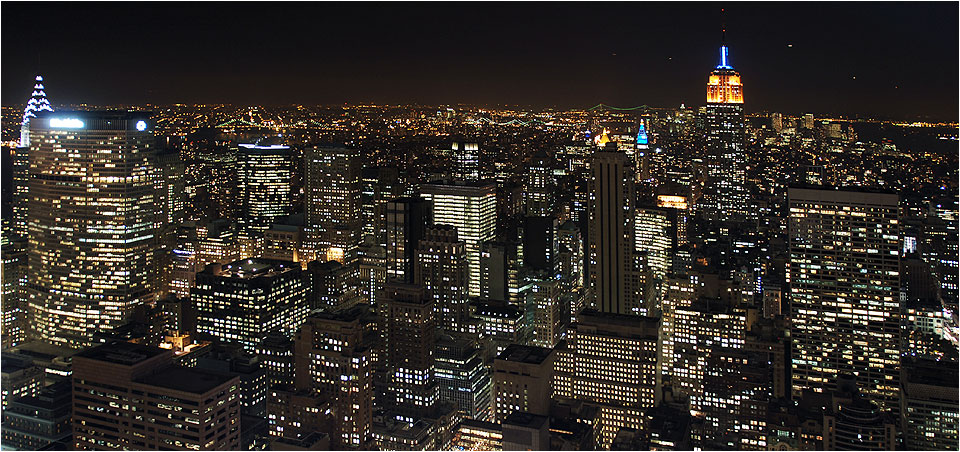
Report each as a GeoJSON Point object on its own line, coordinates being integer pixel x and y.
{"type": "Point", "coordinates": [472, 209]}
{"type": "Point", "coordinates": [93, 222]}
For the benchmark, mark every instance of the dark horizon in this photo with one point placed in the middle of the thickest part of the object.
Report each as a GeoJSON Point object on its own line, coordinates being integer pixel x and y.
{"type": "Point", "coordinates": [794, 57]}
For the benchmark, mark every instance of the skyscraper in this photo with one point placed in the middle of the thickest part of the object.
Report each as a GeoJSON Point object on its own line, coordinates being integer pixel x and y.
{"type": "Point", "coordinates": [466, 158]}
{"type": "Point", "coordinates": [333, 359]}
{"type": "Point", "coordinates": [411, 338]}
{"type": "Point", "coordinates": [538, 186]}
{"type": "Point", "coordinates": [332, 199]}
{"type": "Point", "coordinates": [264, 174]}
{"type": "Point", "coordinates": [92, 221]}
{"type": "Point", "coordinates": [38, 103]}
{"type": "Point", "coordinates": [406, 223]}
{"type": "Point", "coordinates": [244, 301]}
{"type": "Point", "coordinates": [471, 208]}
{"type": "Point", "coordinates": [442, 270]}
{"type": "Point", "coordinates": [845, 291]}
{"type": "Point", "coordinates": [612, 283]}
{"type": "Point", "coordinates": [724, 195]}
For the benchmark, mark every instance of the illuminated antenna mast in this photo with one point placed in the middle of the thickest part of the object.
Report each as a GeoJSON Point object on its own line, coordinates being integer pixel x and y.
{"type": "Point", "coordinates": [38, 102]}
{"type": "Point", "coordinates": [724, 52]}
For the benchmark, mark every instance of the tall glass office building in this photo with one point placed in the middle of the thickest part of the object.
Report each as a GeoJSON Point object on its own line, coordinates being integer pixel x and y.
{"type": "Point", "coordinates": [92, 222]}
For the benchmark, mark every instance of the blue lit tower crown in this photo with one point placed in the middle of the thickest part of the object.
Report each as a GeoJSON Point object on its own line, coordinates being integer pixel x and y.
{"type": "Point", "coordinates": [38, 102]}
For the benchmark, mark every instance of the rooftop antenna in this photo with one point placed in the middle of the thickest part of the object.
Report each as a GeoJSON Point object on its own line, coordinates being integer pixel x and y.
{"type": "Point", "coordinates": [723, 40]}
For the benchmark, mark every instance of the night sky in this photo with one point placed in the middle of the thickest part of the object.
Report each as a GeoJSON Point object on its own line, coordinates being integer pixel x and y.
{"type": "Point", "coordinates": [904, 55]}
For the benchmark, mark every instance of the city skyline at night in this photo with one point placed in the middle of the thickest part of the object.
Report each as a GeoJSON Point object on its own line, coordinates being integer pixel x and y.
{"type": "Point", "coordinates": [490, 227]}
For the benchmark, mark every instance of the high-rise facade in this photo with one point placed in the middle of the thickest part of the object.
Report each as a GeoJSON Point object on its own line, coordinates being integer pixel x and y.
{"type": "Point", "coordinates": [244, 301]}
{"type": "Point", "coordinates": [466, 157]}
{"type": "Point", "coordinates": [332, 198]}
{"type": "Point", "coordinates": [471, 208]}
{"type": "Point", "coordinates": [725, 191]}
{"type": "Point", "coordinates": [442, 270]}
{"type": "Point", "coordinates": [411, 339]}
{"type": "Point", "coordinates": [130, 396]}
{"type": "Point", "coordinates": [93, 222]}
{"type": "Point", "coordinates": [406, 222]}
{"type": "Point", "coordinates": [538, 186]}
{"type": "Point", "coordinates": [333, 359]}
{"type": "Point", "coordinates": [264, 176]}
{"type": "Point", "coordinates": [612, 276]}
{"type": "Point", "coordinates": [612, 362]}
{"type": "Point", "coordinates": [845, 291]}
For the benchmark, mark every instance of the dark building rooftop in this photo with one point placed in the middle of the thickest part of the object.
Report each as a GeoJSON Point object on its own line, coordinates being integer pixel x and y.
{"type": "Point", "coordinates": [186, 379]}
{"type": "Point", "coordinates": [125, 353]}
{"type": "Point", "coordinates": [525, 354]}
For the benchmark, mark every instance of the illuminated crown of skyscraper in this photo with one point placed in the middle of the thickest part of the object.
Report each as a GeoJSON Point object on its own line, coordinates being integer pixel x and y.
{"type": "Point", "coordinates": [38, 102]}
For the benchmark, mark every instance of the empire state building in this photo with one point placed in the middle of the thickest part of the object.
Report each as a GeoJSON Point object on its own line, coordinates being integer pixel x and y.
{"type": "Point", "coordinates": [725, 194]}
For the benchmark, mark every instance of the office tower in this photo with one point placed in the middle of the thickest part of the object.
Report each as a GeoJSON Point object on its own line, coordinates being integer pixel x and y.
{"type": "Point", "coordinates": [198, 245]}
{"type": "Point", "coordinates": [500, 272]}
{"type": "Point", "coordinates": [808, 121]}
{"type": "Point", "coordinates": [503, 325]}
{"type": "Point", "coordinates": [539, 186]}
{"type": "Point", "coordinates": [406, 222]}
{"type": "Point", "coordinates": [13, 275]}
{"type": "Point", "coordinates": [466, 160]}
{"type": "Point", "coordinates": [613, 280]}
{"type": "Point", "coordinates": [20, 378]}
{"type": "Point", "coordinates": [854, 422]}
{"type": "Point", "coordinates": [725, 193]}
{"type": "Point", "coordinates": [332, 198]}
{"type": "Point", "coordinates": [571, 265]}
{"type": "Point", "coordinates": [929, 405]}
{"type": "Point", "coordinates": [244, 301]}
{"type": "Point", "coordinates": [37, 104]}
{"type": "Point", "coordinates": [379, 185]}
{"type": "Point", "coordinates": [776, 121]}
{"type": "Point", "coordinates": [655, 233]}
{"type": "Point", "coordinates": [733, 405]}
{"type": "Point", "coordinates": [845, 291]}
{"type": "Point", "coordinates": [540, 244]}
{"type": "Point", "coordinates": [233, 360]}
{"type": "Point", "coordinates": [333, 286]}
{"type": "Point", "coordinates": [544, 298]}
{"type": "Point", "coordinates": [299, 416]}
{"type": "Point", "coordinates": [704, 325]}
{"type": "Point", "coordinates": [283, 242]}
{"type": "Point", "coordinates": [463, 377]}
{"type": "Point", "coordinates": [471, 208]}
{"type": "Point", "coordinates": [92, 222]}
{"type": "Point", "coordinates": [411, 341]}
{"type": "Point", "coordinates": [372, 273]}
{"type": "Point", "coordinates": [125, 393]}
{"type": "Point", "coordinates": [264, 178]}
{"type": "Point", "coordinates": [333, 359]}
{"type": "Point", "coordinates": [523, 380]}
{"type": "Point", "coordinates": [40, 421]}
{"type": "Point", "coordinates": [170, 190]}
{"type": "Point", "coordinates": [442, 270]}
{"type": "Point", "coordinates": [680, 293]}
{"type": "Point", "coordinates": [613, 364]}
{"type": "Point", "coordinates": [275, 353]}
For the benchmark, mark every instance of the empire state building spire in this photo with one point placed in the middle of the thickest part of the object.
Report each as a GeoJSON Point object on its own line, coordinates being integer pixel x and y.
{"type": "Point", "coordinates": [38, 102]}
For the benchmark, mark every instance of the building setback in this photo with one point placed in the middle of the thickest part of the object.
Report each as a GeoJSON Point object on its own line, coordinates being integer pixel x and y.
{"type": "Point", "coordinates": [129, 396]}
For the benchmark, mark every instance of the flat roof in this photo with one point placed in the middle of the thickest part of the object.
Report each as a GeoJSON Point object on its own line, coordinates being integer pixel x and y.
{"type": "Point", "coordinates": [525, 354]}
{"type": "Point", "coordinates": [186, 379]}
{"type": "Point", "coordinates": [119, 352]}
